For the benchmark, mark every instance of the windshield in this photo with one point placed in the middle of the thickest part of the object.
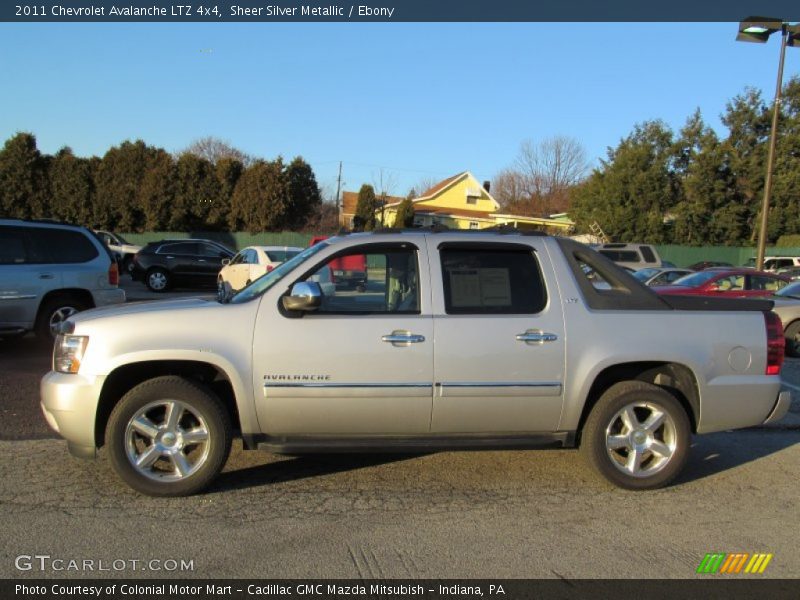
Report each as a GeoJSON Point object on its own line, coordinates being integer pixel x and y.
{"type": "Point", "coordinates": [120, 239]}
{"type": "Point", "coordinates": [644, 274]}
{"type": "Point", "coordinates": [696, 279]}
{"type": "Point", "coordinates": [790, 291]}
{"type": "Point", "coordinates": [265, 282]}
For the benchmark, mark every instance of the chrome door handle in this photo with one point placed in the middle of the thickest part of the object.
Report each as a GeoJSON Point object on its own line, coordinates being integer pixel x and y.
{"type": "Point", "coordinates": [403, 338]}
{"type": "Point", "coordinates": [536, 336]}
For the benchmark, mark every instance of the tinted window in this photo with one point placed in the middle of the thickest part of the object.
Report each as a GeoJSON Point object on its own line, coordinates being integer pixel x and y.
{"type": "Point", "coordinates": [621, 255]}
{"type": "Point", "coordinates": [491, 281]}
{"type": "Point", "coordinates": [182, 248]}
{"type": "Point", "coordinates": [211, 250]}
{"type": "Point", "coordinates": [251, 257]}
{"type": "Point", "coordinates": [762, 283]}
{"type": "Point", "coordinates": [647, 253]}
{"type": "Point", "coordinates": [12, 246]}
{"type": "Point", "coordinates": [61, 246]}
{"type": "Point", "coordinates": [280, 255]}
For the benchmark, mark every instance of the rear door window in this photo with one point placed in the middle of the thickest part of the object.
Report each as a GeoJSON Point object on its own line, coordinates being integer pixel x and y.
{"type": "Point", "coordinates": [61, 246]}
{"type": "Point", "coordinates": [12, 246]}
{"type": "Point", "coordinates": [491, 280]}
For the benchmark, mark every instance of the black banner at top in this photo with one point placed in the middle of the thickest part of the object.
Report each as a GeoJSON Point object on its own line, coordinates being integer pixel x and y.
{"type": "Point", "coordinates": [277, 11]}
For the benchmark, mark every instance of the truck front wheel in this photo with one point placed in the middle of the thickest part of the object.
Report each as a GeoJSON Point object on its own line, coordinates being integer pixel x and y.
{"type": "Point", "coordinates": [168, 436]}
{"type": "Point", "coordinates": [637, 436]}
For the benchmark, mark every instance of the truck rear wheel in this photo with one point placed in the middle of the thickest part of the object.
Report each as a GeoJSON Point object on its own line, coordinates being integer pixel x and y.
{"type": "Point", "coordinates": [637, 436]}
{"type": "Point", "coordinates": [168, 436]}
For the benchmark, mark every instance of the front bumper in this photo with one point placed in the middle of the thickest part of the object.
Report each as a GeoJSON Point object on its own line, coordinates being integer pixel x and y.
{"type": "Point", "coordinates": [108, 297]}
{"type": "Point", "coordinates": [69, 403]}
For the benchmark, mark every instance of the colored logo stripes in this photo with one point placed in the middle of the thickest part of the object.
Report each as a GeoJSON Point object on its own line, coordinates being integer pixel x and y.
{"type": "Point", "coordinates": [740, 562]}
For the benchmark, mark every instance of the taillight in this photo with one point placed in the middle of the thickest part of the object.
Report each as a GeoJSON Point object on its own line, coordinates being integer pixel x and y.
{"type": "Point", "coordinates": [775, 343]}
{"type": "Point", "coordinates": [269, 268]}
{"type": "Point", "coordinates": [113, 274]}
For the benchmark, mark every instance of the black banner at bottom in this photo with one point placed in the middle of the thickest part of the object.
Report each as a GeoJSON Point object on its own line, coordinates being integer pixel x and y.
{"type": "Point", "coordinates": [420, 589]}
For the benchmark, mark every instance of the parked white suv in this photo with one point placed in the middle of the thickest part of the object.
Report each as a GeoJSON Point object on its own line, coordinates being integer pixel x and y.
{"type": "Point", "coordinates": [48, 272]}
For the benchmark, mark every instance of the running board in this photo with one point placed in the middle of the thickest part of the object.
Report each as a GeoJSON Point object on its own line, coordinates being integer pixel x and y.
{"type": "Point", "coordinates": [411, 444]}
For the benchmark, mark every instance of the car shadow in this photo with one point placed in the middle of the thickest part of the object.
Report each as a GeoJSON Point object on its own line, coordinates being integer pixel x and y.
{"type": "Point", "coordinates": [715, 453]}
{"type": "Point", "coordinates": [306, 466]}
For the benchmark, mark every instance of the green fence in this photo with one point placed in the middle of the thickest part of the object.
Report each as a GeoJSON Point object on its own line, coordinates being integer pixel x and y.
{"type": "Point", "coordinates": [235, 241]}
{"type": "Point", "coordinates": [684, 256]}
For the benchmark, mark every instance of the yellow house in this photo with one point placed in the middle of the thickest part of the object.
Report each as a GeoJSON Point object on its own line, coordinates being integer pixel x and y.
{"type": "Point", "coordinates": [461, 202]}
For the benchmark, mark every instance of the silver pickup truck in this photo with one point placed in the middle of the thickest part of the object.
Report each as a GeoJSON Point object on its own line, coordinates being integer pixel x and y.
{"type": "Point", "coordinates": [459, 340]}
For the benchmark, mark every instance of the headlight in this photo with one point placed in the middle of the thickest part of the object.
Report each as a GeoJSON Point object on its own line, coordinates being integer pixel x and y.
{"type": "Point", "coordinates": [68, 353]}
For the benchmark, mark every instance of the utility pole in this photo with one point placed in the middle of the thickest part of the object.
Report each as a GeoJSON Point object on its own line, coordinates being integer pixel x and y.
{"type": "Point", "coordinates": [338, 187]}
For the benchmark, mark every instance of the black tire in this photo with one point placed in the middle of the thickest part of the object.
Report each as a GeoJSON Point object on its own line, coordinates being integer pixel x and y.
{"type": "Point", "coordinates": [158, 280]}
{"type": "Point", "coordinates": [792, 335]}
{"type": "Point", "coordinates": [611, 447]}
{"type": "Point", "coordinates": [200, 411]}
{"type": "Point", "coordinates": [54, 310]}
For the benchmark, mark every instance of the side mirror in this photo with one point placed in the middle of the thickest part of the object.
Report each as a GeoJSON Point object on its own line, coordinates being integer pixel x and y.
{"type": "Point", "coordinates": [305, 296]}
{"type": "Point", "coordinates": [226, 261]}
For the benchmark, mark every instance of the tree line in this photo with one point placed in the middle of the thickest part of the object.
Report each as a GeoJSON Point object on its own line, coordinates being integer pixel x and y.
{"type": "Point", "coordinates": [691, 187]}
{"type": "Point", "coordinates": [135, 187]}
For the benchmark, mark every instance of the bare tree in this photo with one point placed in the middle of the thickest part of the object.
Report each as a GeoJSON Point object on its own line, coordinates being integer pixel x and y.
{"type": "Point", "coordinates": [384, 183]}
{"type": "Point", "coordinates": [510, 188]}
{"type": "Point", "coordinates": [552, 166]}
{"type": "Point", "coordinates": [213, 149]}
{"type": "Point", "coordinates": [423, 185]}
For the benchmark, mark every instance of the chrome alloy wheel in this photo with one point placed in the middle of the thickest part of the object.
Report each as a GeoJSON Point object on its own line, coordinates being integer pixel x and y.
{"type": "Point", "coordinates": [167, 440]}
{"type": "Point", "coordinates": [157, 280]}
{"type": "Point", "coordinates": [60, 315]}
{"type": "Point", "coordinates": [641, 439]}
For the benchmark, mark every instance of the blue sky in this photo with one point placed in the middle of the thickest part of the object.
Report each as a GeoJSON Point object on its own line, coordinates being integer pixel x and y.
{"type": "Point", "coordinates": [420, 100]}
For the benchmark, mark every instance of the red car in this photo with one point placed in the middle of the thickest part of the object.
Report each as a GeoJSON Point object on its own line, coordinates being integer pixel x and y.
{"type": "Point", "coordinates": [736, 283]}
{"type": "Point", "coordinates": [348, 271]}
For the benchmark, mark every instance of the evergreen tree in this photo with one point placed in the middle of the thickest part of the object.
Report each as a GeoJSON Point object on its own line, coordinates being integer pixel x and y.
{"type": "Point", "coordinates": [303, 193]}
{"type": "Point", "coordinates": [366, 206]}
{"type": "Point", "coordinates": [23, 179]}
{"type": "Point", "coordinates": [634, 190]}
{"type": "Point", "coordinates": [157, 190]}
{"type": "Point", "coordinates": [117, 183]}
{"type": "Point", "coordinates": [72, 187]}
{"type": "Point", "coordinates": [405, 214]}
{"type": "Point", "coordinates": [196, 190]}
{"type": "Point", "coordinates": [260, 198]}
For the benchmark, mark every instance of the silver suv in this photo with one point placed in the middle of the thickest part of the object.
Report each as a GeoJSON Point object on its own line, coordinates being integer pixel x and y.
{"type": "Point", "coordinates": [457, 340]}
{"type": "Point", "coordinates": [48, 272]}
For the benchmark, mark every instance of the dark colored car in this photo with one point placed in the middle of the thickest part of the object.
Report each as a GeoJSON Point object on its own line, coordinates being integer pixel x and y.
{"type": "Point", "coordinates": [736, 283]}
{"type": "Point", "coordinates": [708, 264]}
{"type": "Point", "coordinates": [175, 263]}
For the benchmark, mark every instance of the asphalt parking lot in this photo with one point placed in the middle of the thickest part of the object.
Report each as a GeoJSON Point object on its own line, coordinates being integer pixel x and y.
{"type": "Point", "coordinates": [467, 514]}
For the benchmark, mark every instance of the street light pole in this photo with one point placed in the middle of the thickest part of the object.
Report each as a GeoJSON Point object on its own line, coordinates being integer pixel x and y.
{"type": "Point", "coordinates": [758, 29]}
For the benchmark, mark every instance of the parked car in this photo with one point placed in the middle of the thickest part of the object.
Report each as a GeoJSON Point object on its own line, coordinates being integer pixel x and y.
{"type": "Point", "coordinates": [660, 275]}
{"type": "Point", "coordinates": [50, 271]}
{"type": "Point", "coordinates": [464, 342]}
{"type": "Point", "coordinates": [251, 263]}
{"type": "Point", "coordinates": [633, 256]}
{"type": "Point", "coordinates": [773, 263]}
{"type": "Point", "coordinates": [708, 264]}
{"type": "Point", "coordinates": [738, 283]}
{"type": "Point", "coordinates": [787, 306]}
{"type": "Point", "coordinates": [174, 263]}
{"type": "Point", "coordinates": [792, 273]}
{"type": "Point", "coordinates": [122, 250]}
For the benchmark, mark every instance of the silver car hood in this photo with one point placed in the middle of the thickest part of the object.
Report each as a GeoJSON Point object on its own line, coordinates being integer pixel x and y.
{"type": "Point", "coordinates": [131, 308]}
